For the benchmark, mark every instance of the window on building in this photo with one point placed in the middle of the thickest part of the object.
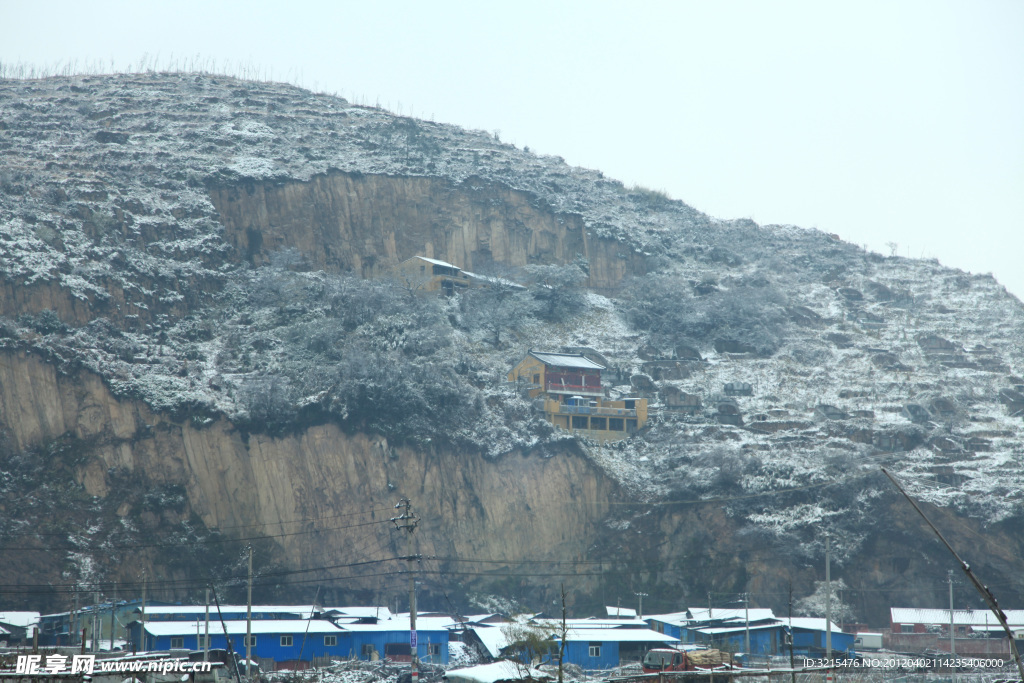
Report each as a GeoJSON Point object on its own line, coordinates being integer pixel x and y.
{"type": "Point", "coordinates": [536, 379]}
{"type": "Point", "coordinates": [201, 642]}
{"type": "Point", "coordinates": [616, 424]}
{"type": "Point", "coordinates": [330, 641]}
{"type": "Point", "coordinates": [286, 641]}
{"type": "Point", "coordinates": [630, 426]}
{"type": "Point", "coordinates": [251, 643]}
{"type": "Point", "coordinates": [579, 421]}
{"type": "Point", "coordinates": [434, 649]}
{"type": "Point", "coordinates": [177, 643]}
{"type": "Point", "coordinates": [595, 650]}
{"type": "Point", "coordinates": [368, 649]}
{"type": "Point", "coordinates": [598, 423]}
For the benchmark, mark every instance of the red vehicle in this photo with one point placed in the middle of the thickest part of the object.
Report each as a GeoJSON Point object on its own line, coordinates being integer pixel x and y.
{"type": "Point", "coordinates": [665, 659]}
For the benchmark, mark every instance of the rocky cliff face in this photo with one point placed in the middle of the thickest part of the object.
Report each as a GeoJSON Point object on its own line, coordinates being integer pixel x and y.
{"type": "Point", "coordinates": [281, 486]}
{"type": "Point", "coordinates": [365, 224]}
{"type": "Point", "coordinates": [196, 352]}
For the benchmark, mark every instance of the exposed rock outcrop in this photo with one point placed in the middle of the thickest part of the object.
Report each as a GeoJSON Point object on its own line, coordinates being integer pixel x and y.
{"type": "Point", "coordinates": [366, 223]}
{"type": "Point", "coordinates": [471, 507]}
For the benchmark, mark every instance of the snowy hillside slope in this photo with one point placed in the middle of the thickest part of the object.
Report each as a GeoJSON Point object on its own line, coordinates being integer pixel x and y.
{"type": "Point", "coordinates": [115, 261]}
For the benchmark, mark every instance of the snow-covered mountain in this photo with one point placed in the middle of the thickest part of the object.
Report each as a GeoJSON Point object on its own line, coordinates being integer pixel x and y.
{"type": "Point", "coordinates": [200, 345]}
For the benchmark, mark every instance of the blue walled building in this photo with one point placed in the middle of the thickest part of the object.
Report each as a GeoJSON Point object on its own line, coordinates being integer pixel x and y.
{"type": "Point", "coordinates": [766, 638]}
{"type": "Point", "coordinates": [279, 640]}
{"type": "Point", "coordinates": [293, 640]}
{"type": "Point", "coordinates": [809, 638]}
{"type": "Point", "coordinates": [598, 649]}
{"type": "Point", "coordinates": [680, 624]}
{"type": "Point", "coordinates": [771, 637]}
{"type": "Point", "coordinates": [390, 638]}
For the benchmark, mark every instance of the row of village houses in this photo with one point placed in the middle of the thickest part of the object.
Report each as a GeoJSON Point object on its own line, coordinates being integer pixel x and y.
{"type": "Point", "coordinates": [298, 635]}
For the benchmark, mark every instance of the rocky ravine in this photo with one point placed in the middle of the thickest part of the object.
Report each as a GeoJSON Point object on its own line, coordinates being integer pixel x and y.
{"type": "Point", "coordinates": [190, 346]}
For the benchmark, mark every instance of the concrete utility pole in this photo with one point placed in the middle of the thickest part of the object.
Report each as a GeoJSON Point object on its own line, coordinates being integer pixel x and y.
{"type": "Point", "coordinates": [95, 624]}
{"type": "Point", "coordinates": [952, 628]}
{"type": "Point", "coordinates": [74, 621]}
{"type": "Point", "coordinates": [113, 609]}
{"type": "Point", "coordinates": [828, 598]}
{"type": "Point", "coordinates": [792, 664]}
{"type": "Point", "coordinates": [640, 607]}
{"type": "Point", "coordinates": [746, 621]}
{"type": "Point", "coordinates": [248, 624]}
{"type": "Point", "coordinates": [206, 636]}
{"type": "Point", "coordinates": [407, 521]}
{"type": "Point", "coordinates": [142, 621]}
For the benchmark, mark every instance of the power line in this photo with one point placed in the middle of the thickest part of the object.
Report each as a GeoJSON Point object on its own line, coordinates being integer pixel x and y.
{"type": "Point", "coordinates": [195, 542]}
{"type": "Point", "coordinates": [185, 583]}
{"type": "Point", "coordinates": [219, 527]}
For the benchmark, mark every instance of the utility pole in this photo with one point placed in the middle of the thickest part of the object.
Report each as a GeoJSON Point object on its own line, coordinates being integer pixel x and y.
{"type": "Point", "coordinates": [828, 597]}
{"type": "Point", "coordinates": [407, 521]}
{"type": "Point", "coordinates": [746, 621]}
{"type": "Point", "coordinates": [952, 631]}
{"type": "Point", "coordinates": [95, 624]}
{"type": "Point", "coordinates": [792, 664]}
{"type": "Point", "coordinates": [74, 621]}
{"type": "Point", "coordinates": [640, 607]}
{"type": "Point", "coordinates": [113, 608]}
{"type": "Point", "coordinates": [206, 636]}
{"type": "Point", "coordinates": [561, 640]}
{"type": "Point", "coordinates": [142, 622]}
{"type": "Point", "coordinates": [248, 624]}
{"type": "Point", "coordinates": [710, 615]}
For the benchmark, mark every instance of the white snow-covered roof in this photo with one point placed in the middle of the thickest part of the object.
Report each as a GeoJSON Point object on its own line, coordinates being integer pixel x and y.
{"type": "Point", "coordinates": [591, 623]}
{"type": "Point", "coordinates": [22, 619]}
{"type": "Point", "coordinates": [566, 360]}
{"type": "Point", "coordinates": [234, 609]}
{"type": "Point", "coordinates": [238, 627]}
{"type": "Point", "coordinates": [494, 672]}
{"type": "Point", "coordinates": [620, 611]}
{"type": "Point", "coordinates": [677, 618]}
{"type": "Point", "coordinates": [401, 623]}
{"type": "Point", "coordinates": [492, 637]}
{"type": "Point", "coordinates": [961, 617]}
{"type": "Point", "coordinates": [362, 612]}
{"type": "Point", "coordinates": [755, 613]}
{"type": "Point", "coordinates": [812, 624]}
{"type": "Point", "coordinates": [714, 630]}
{"type": "Point", "coordinates": [490, 279]}
{"type": "Point", "coordinates": [478, 618]}
{"type": "Point", "coordinates": [619, 635]}
{"type": "Point", "coordinates": [436, 262]}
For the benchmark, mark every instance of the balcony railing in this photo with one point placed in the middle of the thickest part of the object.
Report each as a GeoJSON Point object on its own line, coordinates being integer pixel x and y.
{"type": "Point", "coordinates": [601, 411]}
{"type": "Point", "coordinates": [574, 388]}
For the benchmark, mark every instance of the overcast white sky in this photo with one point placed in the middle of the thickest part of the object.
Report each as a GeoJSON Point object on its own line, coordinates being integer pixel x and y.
{"type": "Point", "coordinates": [884, 122]}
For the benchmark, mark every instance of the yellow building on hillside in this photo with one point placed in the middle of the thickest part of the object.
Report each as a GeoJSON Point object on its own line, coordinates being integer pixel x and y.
{"type": "Point", "coordinates": [570, 386]}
